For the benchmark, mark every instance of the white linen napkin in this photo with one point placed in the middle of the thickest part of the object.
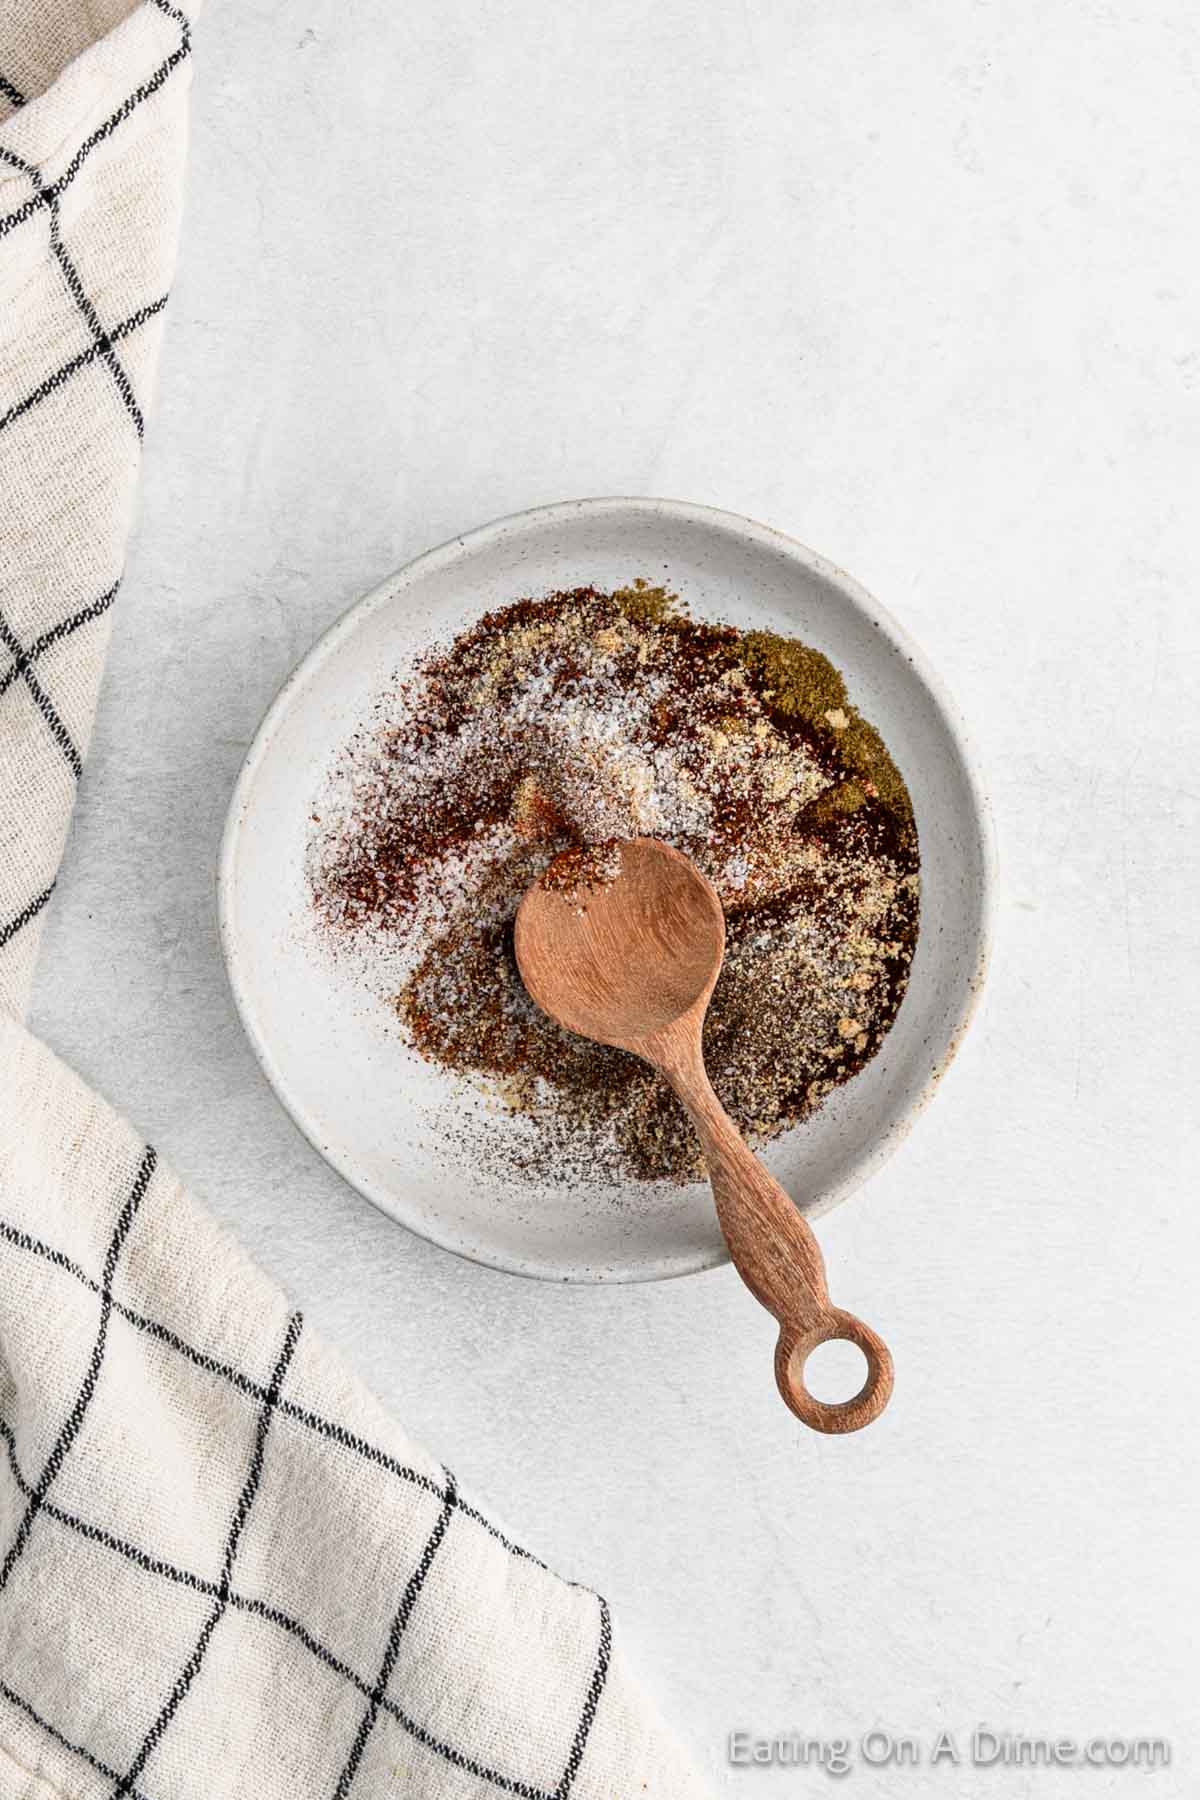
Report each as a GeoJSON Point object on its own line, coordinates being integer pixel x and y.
{"type": "Point", "coordinates": [224, 1571]}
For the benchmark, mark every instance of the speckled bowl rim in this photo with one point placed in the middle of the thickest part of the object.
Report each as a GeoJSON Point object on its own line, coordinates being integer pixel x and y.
{"type": "Point", "coordinates": [468, 545]}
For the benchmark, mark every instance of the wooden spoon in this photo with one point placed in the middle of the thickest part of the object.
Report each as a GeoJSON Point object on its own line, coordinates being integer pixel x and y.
{"type": "Point", "coordinates": [631, 959]}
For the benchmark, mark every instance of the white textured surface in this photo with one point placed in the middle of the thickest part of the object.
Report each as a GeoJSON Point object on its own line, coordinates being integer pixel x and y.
{"type": "Point", "coordinates": [918, 286]}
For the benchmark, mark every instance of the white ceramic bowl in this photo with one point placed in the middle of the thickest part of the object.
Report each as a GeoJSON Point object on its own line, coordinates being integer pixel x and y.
{"type": "Point", "coordinates": [331, 1050]}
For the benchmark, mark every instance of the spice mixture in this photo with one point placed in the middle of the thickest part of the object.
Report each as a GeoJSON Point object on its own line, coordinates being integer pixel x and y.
{"type": "Point", "coordinates": [587, 717]}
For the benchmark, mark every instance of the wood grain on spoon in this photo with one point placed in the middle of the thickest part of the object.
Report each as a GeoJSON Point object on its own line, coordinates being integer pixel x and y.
{"type": "Point", "coordinates": [631, 959]}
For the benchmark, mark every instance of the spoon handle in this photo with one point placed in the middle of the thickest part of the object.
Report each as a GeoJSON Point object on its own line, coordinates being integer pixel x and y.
{"type": "Point", "coordinates": [780, 1261]}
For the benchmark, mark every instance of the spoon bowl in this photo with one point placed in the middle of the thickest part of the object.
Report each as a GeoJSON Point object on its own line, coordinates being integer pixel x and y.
{"type": "Point", "coordinates": [619, 956]}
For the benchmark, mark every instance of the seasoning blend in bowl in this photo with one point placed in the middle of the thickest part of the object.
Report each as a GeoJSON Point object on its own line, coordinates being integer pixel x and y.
{"type": "Point", "coordinates": [451, 737]}
{"type": "Point", "coordinates": [580, 719]}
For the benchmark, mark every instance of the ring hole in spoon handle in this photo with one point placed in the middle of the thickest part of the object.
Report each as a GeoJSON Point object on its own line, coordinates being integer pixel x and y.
{"type": "Point", "coordinates": [792, 1352]}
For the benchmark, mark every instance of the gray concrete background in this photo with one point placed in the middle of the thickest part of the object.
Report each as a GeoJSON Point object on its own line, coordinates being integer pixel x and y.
{"type": "Point", "coordinates": [917, 284]}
